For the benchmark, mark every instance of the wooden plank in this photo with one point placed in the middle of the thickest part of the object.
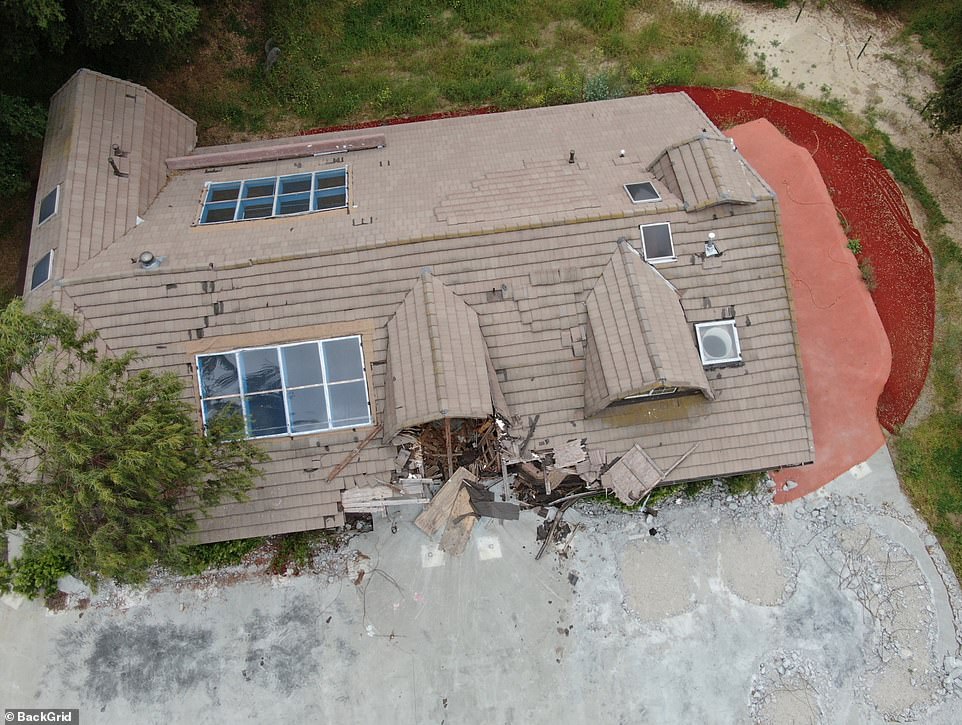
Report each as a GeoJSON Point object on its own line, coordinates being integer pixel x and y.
{"type": "Point", "coordinates": [437, 513]}
{"type": "Point", "coordinates": [460, 524]}
{"type": "Point", "coordinates": [353, 454]}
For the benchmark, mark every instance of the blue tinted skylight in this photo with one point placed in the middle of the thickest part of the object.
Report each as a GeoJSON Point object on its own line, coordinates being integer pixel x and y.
{"type": "Point", "coordinates": [274, 196]}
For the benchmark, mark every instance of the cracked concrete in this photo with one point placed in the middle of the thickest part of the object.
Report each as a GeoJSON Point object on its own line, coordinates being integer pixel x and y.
{"type": "Point", "coordinates": [830, 609]}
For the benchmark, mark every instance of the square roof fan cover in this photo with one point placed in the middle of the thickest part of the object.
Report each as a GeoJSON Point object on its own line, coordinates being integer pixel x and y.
{"type": "Point", "coordinates": [718, 343]}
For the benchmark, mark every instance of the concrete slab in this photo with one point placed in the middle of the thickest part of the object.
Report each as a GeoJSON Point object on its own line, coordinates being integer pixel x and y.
{"type": "Point", "coordinates": [834, 609]}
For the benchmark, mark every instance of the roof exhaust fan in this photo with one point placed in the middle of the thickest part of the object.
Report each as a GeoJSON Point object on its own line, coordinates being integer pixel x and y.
{"type": "Point", "coordinates": [147, 260]}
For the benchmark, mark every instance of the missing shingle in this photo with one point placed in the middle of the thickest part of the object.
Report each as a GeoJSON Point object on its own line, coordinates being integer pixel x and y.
{"type": "Point", "coordinates": [170, 285]}
{"type": "Point", "coordinates": [502, 375]}
{"type": "Point", "coordinates": [496, 294]}
{"type": "Point", "coordinates": [200, 330]}
{"type": "Point", "coordinates": [218, 308]}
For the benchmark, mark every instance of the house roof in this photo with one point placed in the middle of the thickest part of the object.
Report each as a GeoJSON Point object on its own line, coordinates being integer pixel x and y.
{"type": "Point", "coordinates": [106, 147]}
{"type": "Point", "coordinates": [638, 338]}
{"type": "Point", "coordinates": [511, 230]}
{"type": "Point", "coordinates": [705, 171]}
{"type": "Point", "coordinates": [437, 361]}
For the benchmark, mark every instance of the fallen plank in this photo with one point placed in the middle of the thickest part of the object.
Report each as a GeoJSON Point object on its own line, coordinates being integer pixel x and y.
{"type": "Point", "coordinates": [460, 524]}
{"type": "Point", "coordinates": [570, 453]}
{"type": "Point", "coordinates": [353, 454]}
{"type": "Point", "coordinates": [437, 513]}
{"type": "Point", "coordinates": [498, 510]}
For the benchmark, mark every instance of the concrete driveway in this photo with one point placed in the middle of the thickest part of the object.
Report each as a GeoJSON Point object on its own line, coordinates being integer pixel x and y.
{"type": "Point", "coordinates": [836, 608]}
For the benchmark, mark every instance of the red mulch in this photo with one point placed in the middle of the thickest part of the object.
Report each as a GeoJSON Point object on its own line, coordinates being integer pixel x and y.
{"type": "Point", "coordinates": [872, 205]}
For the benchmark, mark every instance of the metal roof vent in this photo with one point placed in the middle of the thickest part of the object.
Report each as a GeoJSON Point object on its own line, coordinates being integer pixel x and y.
{"type": "Point", "coordinates": [710, 249]}
{"type": "Point", "coordinates": [147, 260]}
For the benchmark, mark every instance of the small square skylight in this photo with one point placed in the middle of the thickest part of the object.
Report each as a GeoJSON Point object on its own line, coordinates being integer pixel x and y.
{"type": "Point", "coordinates": [642, 191]}
{"type": "Point", "coordinates": [656, 243]}
{"type": "Point", "coordinates": [718, 342]}
{"type": "Point", "coordinates": [49, 206]}
{"type": "Point", "coordinates": [42, 270]}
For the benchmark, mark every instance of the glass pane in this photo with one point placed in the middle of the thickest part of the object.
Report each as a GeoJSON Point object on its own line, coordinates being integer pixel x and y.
{"type": "Point", "coordinates": [218, 375]}
{"type": "Point", "coordinates": [260, 370]}
{"type": "Point", "coordinates": [295, 184]}
{"type": "Point", "coordinates": [48, 206]}
{"type": "Point", "coordinates": [349, 404]}
{"type": "Point", "coordinates": [642, 191]}
{"type": "Point", "coordinates": [224, 407]}
{"type": "Point", "coordinates": [222, 212]}
{"type": "Point", "coordinates": [330, 179]}
{"type": "Point", "coordinates": [259, 187]}
{"type": "Point", "coordinates": [342, 358]}
{"type": "Point", "coordinates": [302, 365]}
{"type": "Point", "coordinates": [657, 240]}
{"type": "Point", "coordinates": [41, 271]}
{"type": "Point", "coordinates": [223, 192]}
{"type": "Point", "coordinates": [257, 208]}
{"type": "Point", "coordinates": [265, 414]}
{"type": "Point", "coordinates": [330, 200]}
{"type": "Point", "coordinates": [293, 204]}
{"type": "Point", "coordinates": [307, 409]}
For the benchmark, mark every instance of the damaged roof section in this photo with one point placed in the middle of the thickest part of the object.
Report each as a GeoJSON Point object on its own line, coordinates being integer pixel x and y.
{"type": "Point", "coordinates": [437, 361]}
{"type": "Point", "coordinates": [638, 337]}
{"type": "Point", "coordinates": [704, 172]}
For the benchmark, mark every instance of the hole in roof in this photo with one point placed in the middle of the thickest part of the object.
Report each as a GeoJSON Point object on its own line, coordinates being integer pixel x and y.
{"type": "Point", "coordinates": [642, 191]}
{"type": "Point", "coordinates": [656, 243]}
{"type": "Point", "coordinates": [718, 342]}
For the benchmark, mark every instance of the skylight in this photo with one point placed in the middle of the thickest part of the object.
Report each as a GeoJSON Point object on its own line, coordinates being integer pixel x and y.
{"type": "Point", "coordinates": [642, 191]}
{"type": "Point", "coordinates": [656, 243]}
{"type": "Point", "coordinates": [49, 206]}
{"type": "Point", "coordinates": [288, 389]}
{"type": "Point", "coordinates": [42, 270]}
{"type": "Point", "coordinates": [273, 196]}
{"type": "Point", "coordinates": [718, 342]}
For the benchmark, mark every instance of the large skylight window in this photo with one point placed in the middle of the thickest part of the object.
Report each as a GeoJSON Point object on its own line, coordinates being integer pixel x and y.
{"type": "Point", "coordinates": [642, 191]}
{"type": "Point", "coordinates": [42, 270]}
{"type": "Point", "coordinates": [272, 196]}
{"type": "Point", "coordinates": [49, 206]}
{"type": "Point", "coordinates": [288, 389]}
{"type": "Point", "coordinates": [718, 342]}
{"type": "Point", "coordinates": [656, 243]}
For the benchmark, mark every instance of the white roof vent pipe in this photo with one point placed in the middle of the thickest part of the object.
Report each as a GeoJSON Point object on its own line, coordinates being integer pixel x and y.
{"type": "Point", "coordinates": [147, 260]}
{"type": "Point", "coordinates": [711, 249]}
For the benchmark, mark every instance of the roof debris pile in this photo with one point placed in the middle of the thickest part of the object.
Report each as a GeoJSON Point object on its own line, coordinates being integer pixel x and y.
{"type": "Point", "coordinates": [424, 450]}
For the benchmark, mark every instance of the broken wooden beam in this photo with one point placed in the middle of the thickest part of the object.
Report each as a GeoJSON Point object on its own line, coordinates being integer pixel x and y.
{"type": "Point", "coordinates": [353, 454]}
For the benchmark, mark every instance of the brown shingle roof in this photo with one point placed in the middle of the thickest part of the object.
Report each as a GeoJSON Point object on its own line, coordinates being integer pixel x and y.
{"type": "Point", "coordinates": [526, 272]}
{"type": "Point", "coordinates": [638, 338]}
{"type": "Point", "coordinates": [705, 171]}
{"type": "Point", "coordinates": [437, 361]}
{"type": "Point", "coordinates": [94, 118]}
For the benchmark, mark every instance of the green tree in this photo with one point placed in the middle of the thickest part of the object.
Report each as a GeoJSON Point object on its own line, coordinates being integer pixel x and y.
{"type": "Point", "coordinates": [944, 108]}
{"type": "Point", "coordinates": [100, 463]}
{"type": "Point", "coordinates": [20, 122]}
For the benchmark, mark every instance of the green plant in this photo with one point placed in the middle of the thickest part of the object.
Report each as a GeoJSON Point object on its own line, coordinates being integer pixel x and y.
{"type": "Point", "coordinates": [121, 451]}
{"type": "Point", "coordinates": [293, 552]}
{"type": "Point", "coordinates": [855, 246]}
{"type": "Point", "coordinates": [191, 560]}
{"type": "Point", "coordinates": [745, 483]}
{"type": "Point", "coordinates": [693, 488]}
{"type": "Point", "coordinates": [36, 571]}
{"type": "Point", "coordinates": [867, 270]}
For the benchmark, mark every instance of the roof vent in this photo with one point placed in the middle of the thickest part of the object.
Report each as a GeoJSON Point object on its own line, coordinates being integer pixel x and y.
{"type": "Point", "coordinates": [710, 249]}
{"type": "Point", "coordinates": [718, 342]}
{"type": "Point", "coordinates": [147, 260]}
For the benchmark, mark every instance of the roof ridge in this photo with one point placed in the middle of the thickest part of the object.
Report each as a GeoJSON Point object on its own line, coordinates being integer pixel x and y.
{"type": "Point", "coordinates": [635, 284]}
{"type": "Point", "coordinates": [434, 336]}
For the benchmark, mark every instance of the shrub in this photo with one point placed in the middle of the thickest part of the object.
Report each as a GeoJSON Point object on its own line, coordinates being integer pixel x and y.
{"type": "Point", "coordinates": [868, 274]}
{"type": "Point", "coordinates": [855, 246]}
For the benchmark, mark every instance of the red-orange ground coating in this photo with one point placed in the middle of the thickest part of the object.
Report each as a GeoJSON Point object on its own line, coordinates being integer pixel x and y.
{"type": "Point", "coordinates": [871, 204]}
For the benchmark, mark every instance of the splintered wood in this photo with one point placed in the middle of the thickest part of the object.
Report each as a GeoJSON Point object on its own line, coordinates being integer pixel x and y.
{"type": "Point", "coordinates": [472, 444]}
{"type": "Point", "coordinates": [375, 499]}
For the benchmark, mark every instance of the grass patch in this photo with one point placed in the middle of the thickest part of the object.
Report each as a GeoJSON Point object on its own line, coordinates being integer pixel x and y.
{"type": "Point", "coordinates": [293, 553]}
{"type": "Point", "coordinates": [348, 61]}
{"type": "Point", "coordinates": [744, 484]}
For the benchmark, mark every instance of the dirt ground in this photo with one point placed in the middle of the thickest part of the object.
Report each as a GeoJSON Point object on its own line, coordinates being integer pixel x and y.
{"type": "Point", "coordinates": [819, 55]}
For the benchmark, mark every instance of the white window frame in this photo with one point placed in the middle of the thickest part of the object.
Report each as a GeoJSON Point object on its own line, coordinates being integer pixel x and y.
{"type": "Point", "coordinates": [671, 242]}
{"type": "Point", "coordinates": [49, 258]}
{"type": "Point", "coordinates": [56, 205]}
{"type": "Point", "coordinates": [642, 201]}
{"type": "Point", "coordinates": [734, 332]}
{"type": "Point", "coordinates": [283, 390]}
{"type": "Point", "coordinates": [275, 198]}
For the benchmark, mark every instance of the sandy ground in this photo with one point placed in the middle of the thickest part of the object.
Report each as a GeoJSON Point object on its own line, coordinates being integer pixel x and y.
{"type": "Point", "coordinates": [819, 55]}
{"type": "Point", "coordinates": [838, 608]}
